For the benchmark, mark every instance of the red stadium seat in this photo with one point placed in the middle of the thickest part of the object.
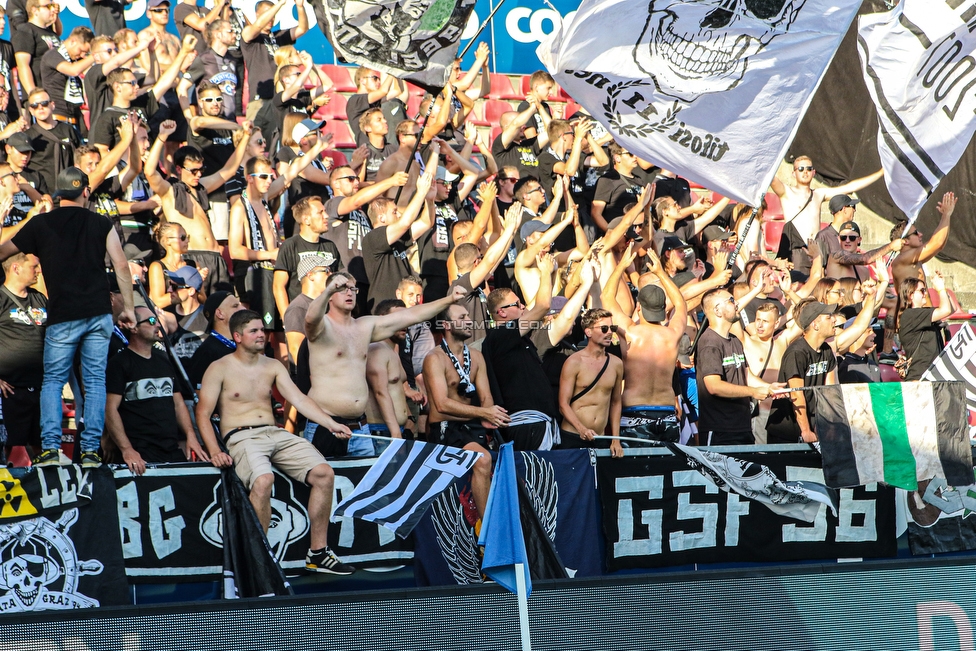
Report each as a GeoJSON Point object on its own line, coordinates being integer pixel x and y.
{"type": "Point", "coordinates": [495, 132]}
{"type": "Point", "coordinates": [958, 314]}
{"type": "Point", "coordinates": [413, 106]}
{"type": "Point", "coordinates": [501, 88]}
{"type": "Point", "coordinates": [493, 110]}
{"type": "Point", "coordinates": [524, 84]}
{"type": "Point", "coordinates": [571, 109]}
{"type": "Point", "coordinates": [773, 232]}
{"type": "Point", "coordinates": [342, 137]}
{"type": "Point", "coordinates": [414, 89]}
{"type": "Point", "coordinates": [477, 115]}
{"type": "Point", "coordinates": [773, 206]}
{"type": "Point", "coordinates": [335, 109]}
{"type": "Point", "coordinates": [341, 76]}
{"type": "Point", "coordinates": [888, 373]}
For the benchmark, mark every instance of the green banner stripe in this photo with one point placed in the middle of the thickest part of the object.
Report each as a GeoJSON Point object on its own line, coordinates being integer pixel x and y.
{"type": "Point", "coordinates": [889, 414]}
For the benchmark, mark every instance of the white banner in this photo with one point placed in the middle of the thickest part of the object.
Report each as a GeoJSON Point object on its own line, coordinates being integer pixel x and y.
{"type": "Point", "coordinates": [919, 68]}
{"type": "Point", "coordinates": [713, 90]}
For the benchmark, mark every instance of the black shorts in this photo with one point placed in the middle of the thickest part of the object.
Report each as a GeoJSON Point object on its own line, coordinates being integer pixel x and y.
{"type": "Point", "coordinates": [215, 263]}
{"type": "Point", "coordinates": [652, 425]}
{"type": "Point", "coordinates": [457, 434]}
{"type": "Point", "coordinates": [727, 438]}
{"type": "Point", "coordinates": [573, 441]}
{"type": "Point", "coordinates": [528, 437]}
{"type": "Point", "coordinates": [22, 416]}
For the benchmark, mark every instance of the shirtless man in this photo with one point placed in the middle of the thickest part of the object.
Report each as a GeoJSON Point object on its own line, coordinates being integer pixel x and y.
{"type": "Point", "coordinates": [337, 349]}
{"type": "Point", "coordinates": [387, 410]}
{"type": "Point", "coordinates": [764, 352]}
{"type": "Point", "coordinates": [801, 208]}
{"type": "Point", "coordinates": [914, 253]}
{"type": "Point", "coordinates": [589, 387]}
{"type": "Point", "coordinates": [184, 198]}
{"type": "Point", "coordinates": [406, 133]}
{"type": "Point", "coordinates": [239, 387]}
{"type": "Point", "coordinates": [538, 238]}
{"type": "Point", "coordinates": [456, 419]}
{"type": "Point", "coordinates": [649, 405]}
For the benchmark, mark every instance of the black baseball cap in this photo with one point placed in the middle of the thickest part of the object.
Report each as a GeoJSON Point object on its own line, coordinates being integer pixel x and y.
{"type": "Point", "coordinates": [840, 201]}
{"type": "Point", "coordinates": [213, 302]}
{"type": "Point", "coordinates": [71, 183]}
{"type": "Point", "coordinates": [21, 142]}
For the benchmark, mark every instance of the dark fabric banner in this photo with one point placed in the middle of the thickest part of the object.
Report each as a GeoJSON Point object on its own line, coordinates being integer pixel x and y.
{"type": "Point", "coordinates": [68, 555]}
{"type": "Point", "coordinates": [561, 488]}
{"type": "Point", "coordinates": [657, 512]}
{"type": "Point", "coordinates": [840, 134]}
{"type": "Point", "coordinates": [172, 530]}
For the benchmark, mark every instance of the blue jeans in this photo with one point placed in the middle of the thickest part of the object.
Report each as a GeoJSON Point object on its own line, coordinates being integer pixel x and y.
{"type": "Point", "coordinates": [90, 337]}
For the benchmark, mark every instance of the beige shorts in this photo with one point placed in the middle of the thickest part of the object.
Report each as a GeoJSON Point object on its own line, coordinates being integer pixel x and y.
{"type": "Point", "coordinates": [219, 215]}
{"type": "Point", "coordinates": [257, 451]}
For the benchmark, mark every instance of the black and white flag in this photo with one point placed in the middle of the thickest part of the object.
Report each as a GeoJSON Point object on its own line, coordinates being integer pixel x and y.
{"type": "Point", "coordinates": [406, 478]}
{"type": "Point", "coordinates": [713, 90]}
{"type": "Point", "coordinates": [957, 363]}
{"type": "Point", "coordinates": [919, 68]}
{"type": "Point", "coordinates": [410, 39]}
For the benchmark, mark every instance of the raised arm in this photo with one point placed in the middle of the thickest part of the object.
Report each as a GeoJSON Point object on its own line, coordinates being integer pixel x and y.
{"type": "Point", "coordinates": [175, 68]}
{"type": "Point", "coordinates": [200, 23]}
{"type": "Point", "coordinates": [941, 235]}
{"type": "Point", "coordinates": [292, 89]}
{"type": "Point", "coordinates": [302, 26]}
{"type": "Point", "coordinates": [496, 252]}
{"type": "Point", "coordinates": [563, 323]}
{"type": "Point", "coordinates": [608, 297]}
{"type": "Point", "coordinates": [387, 325]}
{"type": "Point", "coordinates": [262, 20]}
{"type": "Point", "coordinates": [852, 258]}
{"type": "Point", "coordinates": [76, 68]}
{"type": "Point", "coordinates": [851, 186]}
{"type": "Point", "coordinates": [543, 298]}
{"type": "Point", "coordinates": [945, 304]}
{"type": "Point", "coordinates": [679, 318]}
{"type": "Point", "coordinates": [512, 130]}
{"type": "Point", "coordinates": [709, 215]}
{"type": "Point", "coordinates": [157, 183]}
{"type": "Point", "coordinates": [615, 234]}
{"type": "Point", "coordinates": [408, 219]}
{"type": "Point", "coordinates": [225, 173]}
{"type": "Point", "coordinates": [315, 316]}
{"type": "Point", "coordinates": [112, 158]}
{"type": "Point", "coordinates": [370, 192]}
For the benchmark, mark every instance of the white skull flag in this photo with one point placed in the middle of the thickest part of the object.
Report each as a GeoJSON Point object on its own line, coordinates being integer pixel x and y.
{"type": "Point", "coordinates": [713, 90]}
{"type": "Point", "coordinates": [410, 39]}
{"type": "Point", "coordinates": [919, 67]}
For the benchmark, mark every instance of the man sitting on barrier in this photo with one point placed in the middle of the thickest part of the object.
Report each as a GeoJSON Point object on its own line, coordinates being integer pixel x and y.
{"type": "Point", "coordinates": [239, 387]}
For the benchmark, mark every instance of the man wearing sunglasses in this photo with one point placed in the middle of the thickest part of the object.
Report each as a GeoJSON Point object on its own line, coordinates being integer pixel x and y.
{"type": "Point", "coordinates": [61, 71]}
{"type": "Point", "coordinates": [218, 67]}
{"type": "Point", "coordinates": [916, 251]}
{"type": "Point", "coordinates": [54, 142]}
{"type": "Point", "coordinates": [71, 243]}
{"type": "Point", "coordinates": [107, 58]}
{"type": "Point", "coordinates": [843, 236]}
{"type": "Point", "coordinates": [31, 40]}
{"type": "Point", "coordinates": [145, 414]}
{"type": "Point", "coordinates": [801, 208]}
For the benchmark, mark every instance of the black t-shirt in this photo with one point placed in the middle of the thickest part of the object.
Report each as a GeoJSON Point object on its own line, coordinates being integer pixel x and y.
{"type": "Point", "coordinates": [547, 177]}
{"type": "Point", "coordinates": [16, 13]}
{"type": "Point", "coordinates": [518, 381]}
{"type": "Point", "coordinates": [7, 64]}
{"type": "Point", "coordinates": [105, 127]}
{"type": "Point", "coordinates": [435, 247]}
{"type": "Point", "coordinates": [23, 203]}
{"type": "Point", "coordinates": [813, 366]}
{"type": "Point", "coordinates": [147, 409]}
{"type": "Point", "coordinates": [386, 264]}
{"type": "Point", "coordinates": [294, 249]}
{"type": "Point", "coordinates": [97, 91]}
{"type": "Point", "coordinates": [536, 121]}
{"type": "Point", "coordinates": [60, 86]}
{"type": "Point", "coordinates": [209, 352]}
{"type": "Point", "coordinates": [22, 323]}
{"type": "Point", "coordinates": [35, 41]}
{"type": "Point", "coordinates": [376, 157]}
{"type": "Point", "coordinates": [854, 369]}
{"type": "Point", "coordinates": [70, 243]}
{"type": "Point", "coordinates": [221, 71]}
{"type": "Point", "coordinates": [617, 191]}
{"type": "Point", "coordinates": [300, 187]}
{"type": "Point", "coordinates": [348, 231]}
{"type": "Point", "coordinates": [476, 302]}
{"type": "Point", "coordinates": [46, 151]}
{"type": "Point", "coordinates": [180, 11]}
{"type": "Point", "coordinates": [107, 16]}
{"type": "Point", "coordinates": [523, 155]}
{"type": "Point", "coordinates": [356, 105]}
{"type": "Point", "coordinates": [920, 339]}
{"type": "Point", "coordinates": [217, 146]}
{"type": "Point", "coordinates": [259, 61]}
{"type": "Point", "coordinates": [724, 357]}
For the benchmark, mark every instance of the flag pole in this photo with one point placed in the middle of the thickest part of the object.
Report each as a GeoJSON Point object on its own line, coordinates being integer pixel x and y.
{"type": "Point", "coordinates": [523, 607]}
{"type": "Point", "coordinates": [728, 265]}
{"type": "Point", "coordinates": [481, 28]}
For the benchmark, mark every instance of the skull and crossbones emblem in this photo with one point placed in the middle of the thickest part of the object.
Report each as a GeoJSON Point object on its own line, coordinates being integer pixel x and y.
{"type": "Point", "coordinates": [695, 48]}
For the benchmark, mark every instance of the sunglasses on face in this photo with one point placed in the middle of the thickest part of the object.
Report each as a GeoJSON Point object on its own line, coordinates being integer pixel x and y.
{"type": "Point", "coordinates": [182, 238]}
{"type": "Point", "coordinates": [804, 168]}
{"type": "Point", "coordinates": [211, 100]}
{"type": "Point", "coordinates": [849, 238]}
{"type": "Point", "coordinates": [262, 141]}
{"type": "Point", "coordinates": [515, 304]}
{"type": "Point", "coordinates": [132, 82]}
{"type": "Point", "coordinates": [35, 105]}
{"type": "Point", "coordinates": [608, 328]}
{"type": "Point", "coordinates": [151, 321]}
{"type": "Point", "coordinates": [196, 171]}
{"type": "Point", "coordinates": [347, 178]}
{"type": "Point", "coordinates": [264, 176]}
{"type": "Point", "coordinates": [160, 10]}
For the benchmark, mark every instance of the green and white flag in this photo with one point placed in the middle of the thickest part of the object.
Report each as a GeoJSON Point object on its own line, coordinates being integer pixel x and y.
{"type": "Point", "coordinates": [894, 432]}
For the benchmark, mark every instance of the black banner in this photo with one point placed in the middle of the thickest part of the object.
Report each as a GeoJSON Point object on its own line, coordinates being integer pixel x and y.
{"type": "Point", "coordinates": [67, 555]}
{"type": "Point", "coordinates": [658, 512]}
{"type": "Point", "coordinates": [171, 524]}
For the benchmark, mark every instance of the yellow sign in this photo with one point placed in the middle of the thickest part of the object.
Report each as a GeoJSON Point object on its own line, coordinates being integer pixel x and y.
{"type": "Point", "coordinates": [13, 497]}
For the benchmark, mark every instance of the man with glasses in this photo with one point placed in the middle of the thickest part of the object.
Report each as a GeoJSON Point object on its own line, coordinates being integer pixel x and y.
{"type": "Point", "coordinates": [33, 39]}
{"type": "Point", "coordinates": [338, 346]}
{"type": "Point", "coordinates": [841, 238]}
{"type": "Point", "coordinates": [590, 385]}
{"type": "Point", "coordinates": [259, 44]}
{"type": "Point", "coordinates": [726, 387]}
{"type": "Point", "coordinates": [54, 142]}
{"type": "Point", "coordinates": [371, 91]}
{"type": "Point", "coordinates": [16, 217]}
{"type": "Point", "coordinates": [107, 58]}
{"type": "Point", "coordinates": [801, 208]}
{"type": "Point", "coordinates": [72, 243]}
{"type": "Point", "coordinates": [216, 66]}
{"type": "Point", "coordinates": [916, 251]}
{"type": "Point", "coordinates": [158, 13]}
{"type": "Point", "coordinates": [564, 156]}
{"type": "Point", "coordinates": [145, 414]}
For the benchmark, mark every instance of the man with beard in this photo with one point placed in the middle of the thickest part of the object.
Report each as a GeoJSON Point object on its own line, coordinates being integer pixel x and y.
{"type": "Point", "coordinates": [764, 354]}
{"type": "Point", "coordinates": [337, 348]}
{"type": "Point", "coordinates": [461, 406]}
{"type": "Point", "coordinates": [238, 387]}
{"type": "Point", "coordinates": [387, 410]}
{"type": "Point", "coordinates": [143, 414]}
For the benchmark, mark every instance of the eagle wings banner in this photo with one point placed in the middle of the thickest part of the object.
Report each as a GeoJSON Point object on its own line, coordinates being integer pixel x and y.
{"type": "Point", "coordinates": [713, 90]}
{"type": "Point", "coordinates": [919, 69]}
{"type": "Point", "coordinates": [410, 39]}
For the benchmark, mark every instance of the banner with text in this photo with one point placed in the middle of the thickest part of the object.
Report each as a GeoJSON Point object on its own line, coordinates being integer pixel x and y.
{"type": "Point", "coordinates": [919, 68]}
{"type": "Point", "coordinates": [170, 519]}
{"type": "Point", "coordinates": [658, 513]}
{"type": "Point", "coordinates": [711, 90]}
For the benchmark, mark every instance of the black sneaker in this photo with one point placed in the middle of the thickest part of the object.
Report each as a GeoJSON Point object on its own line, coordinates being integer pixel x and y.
{"type": "Point", "coordinates": [90, 460]}
{"type": "Point", "coordinates": [47, 458]}
{"type": "Point", "coordinates": [326, 562]}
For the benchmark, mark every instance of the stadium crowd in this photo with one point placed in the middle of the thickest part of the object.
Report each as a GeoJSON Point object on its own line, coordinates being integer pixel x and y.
{"type": "Point", "coordinates": [172, 197]}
